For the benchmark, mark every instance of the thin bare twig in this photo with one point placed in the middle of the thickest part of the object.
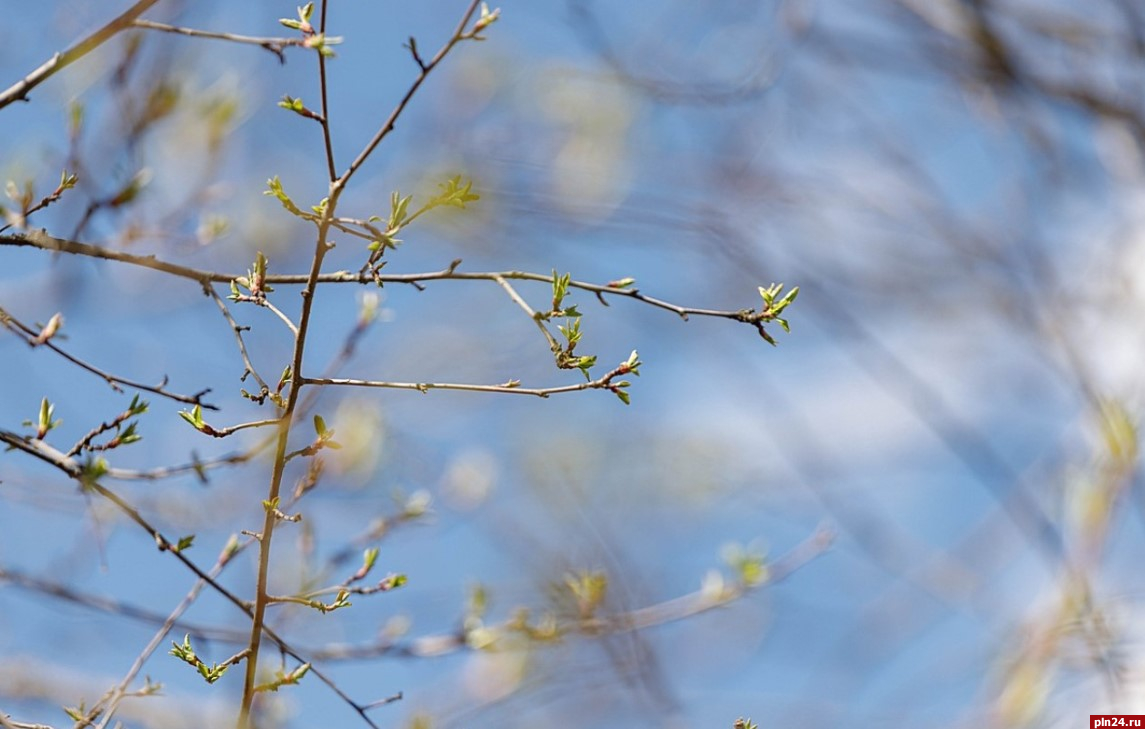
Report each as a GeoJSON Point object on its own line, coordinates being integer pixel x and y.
{"type": "Point", "coordinates": [554, 345]}
{"type": "Point", "coordinates": [331, 166]}
{"type": "Point", "coordinates": [279, 313]}
{"type": "Point", "coordinates": [32, 337]}
{"type": "Point", "coordinates": [425, 387]}
{"type": "Point", "coordinates": [264, 389]}
{"type": "Point", "coordinates": [276, 46]}
{"type": "Point", "coordinates": [72, 467]}
{"type": "Point", "coordinates": [426, 68]}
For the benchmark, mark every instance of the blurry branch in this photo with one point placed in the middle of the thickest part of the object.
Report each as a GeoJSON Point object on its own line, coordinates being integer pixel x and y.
{"type": "Point", "coordinates": [114, 607]}
{"type": "Point", "coordinates": [6, 723]}
{"type": "Point", "coordinates": [43, 241]}
{"type": "Point", "coordinates": [701, 93]}
{"type": "Point", "coordinates": [274, 45]}
{"type": "Point", "coordinates": [996, 60]}
{"type": "Point", "coordinates": [41, 338]}
{"type": "Point", "coordinates": [19, 90]}
{"type": "Point", "coordinates": [715, 593]}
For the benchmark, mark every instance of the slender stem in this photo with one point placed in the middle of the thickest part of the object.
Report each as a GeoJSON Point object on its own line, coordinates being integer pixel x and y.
{"type": "Point", "coordinates": [270, 519]}
{"type": "Point", "coordinates": [48, 454]}
{"type": "Point", "coordinates": [554, 346]}
{"type": "Point", "coordinates": [425, 387]}
{"type": "Point", "coordinates": [29, 335]}
{"type": "Point", "coordinates": [112, 698]}
{"type": "Point", "coordinates": [388, 125]}
{"type": "Point", "coordinates": [238, 330]}
{"type": "Point", "coordinates": [331, 167]}
{"type": "Point", "coordinates": [274, 45]}
{"type": "Point", "coordinates": [37, 239]}
{"type": "Point", "coordinates": [278, 312]}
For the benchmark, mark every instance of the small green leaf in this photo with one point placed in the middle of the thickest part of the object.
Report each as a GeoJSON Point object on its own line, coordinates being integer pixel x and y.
{"type": "Point", "coordinates": [369, 557]}
{"type": "Point", "coordinates": [399, 209]}
{"type": "Point", "coordinates": [195, 417]}
{"type": "Point", "coordinates": [274, 187]}
{"type": "Point", "coordinates": [584, 364]}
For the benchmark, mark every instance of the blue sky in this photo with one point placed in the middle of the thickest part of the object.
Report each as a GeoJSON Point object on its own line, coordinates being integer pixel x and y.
{"type": "Point", "coordinates": [940, 358]}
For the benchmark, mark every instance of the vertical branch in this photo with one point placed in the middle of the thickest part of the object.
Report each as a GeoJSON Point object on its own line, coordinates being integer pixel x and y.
{"type": "Point", "coordinates": [331, 168]}
{"type": "Point", "coordinates": [321, 246]}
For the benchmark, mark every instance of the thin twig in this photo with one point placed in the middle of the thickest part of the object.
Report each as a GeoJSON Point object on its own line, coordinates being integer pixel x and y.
{"type": "Point", "coordinates": [29, 335]}
{"type": "Point", "coordinates": [115, 607]}
{"type": "Point", "coordinates": [425, 387]}
{"type": "Point", "coordinates": [48, 454]}
{"type": "Point", "coordinates": [554, 346]}
{"type": "Point", "coordinates": [111, 699]}
{"type": "Point", "coordinates": [278, 312]}
{"type": "Point", "coordinates": [388, 125]}
{"type": "Point", "coordinates": [38, 239]}
{"type": "Point", "coordinates": [274, 45]}
{"type": "Point", "coordinates": [669, 611]}
{"type": "Point", "coordinates": [264, 389]}
{"type": "Point", "coordinates": [331, 166]}
{"type": "Point", "coordinates": [58, 61]}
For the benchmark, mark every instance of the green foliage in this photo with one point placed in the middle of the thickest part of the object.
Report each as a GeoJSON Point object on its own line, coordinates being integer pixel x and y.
{"type": "Point", "coordinates": [186, 653]}
{"type": "Point", "coordinates": [303, 22]}
{"type": "Point", "coordinates": [274, 188]}
{"type": "Point", "coordinates": [285, 679]}
{"type": "Point", "coordinates": [254, 281]}
{"type": "Point", "coordinates": [44, 423]}
{"type": "Point", "coordinates": [772, 308]}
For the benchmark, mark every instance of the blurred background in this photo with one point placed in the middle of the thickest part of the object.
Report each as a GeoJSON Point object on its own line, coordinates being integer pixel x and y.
{"type": "Point", "coordinates": [954, 185]}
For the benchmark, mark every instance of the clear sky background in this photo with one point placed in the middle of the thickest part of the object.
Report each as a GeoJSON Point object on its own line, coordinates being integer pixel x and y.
{"type": "Point", "coordinates": [951, 401]}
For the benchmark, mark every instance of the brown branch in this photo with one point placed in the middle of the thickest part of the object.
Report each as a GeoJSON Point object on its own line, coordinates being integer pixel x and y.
{"type": "Point", "coordinates": [426, 68]}
{"type": "Point", "coordinates": [70, 466]}
{"type": "Point", "coordinates": [321, 247]}
{"type": "Point", "coordinates": [19, 90]}
{"type": "Point", "coordinates": [425, 387]}
{"type": "Point", "coordinates": [264, 389]}
{"type": "Point", "coordinates": [43, 241]}
{"type": "Point", "coordinates": [274, 45]}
